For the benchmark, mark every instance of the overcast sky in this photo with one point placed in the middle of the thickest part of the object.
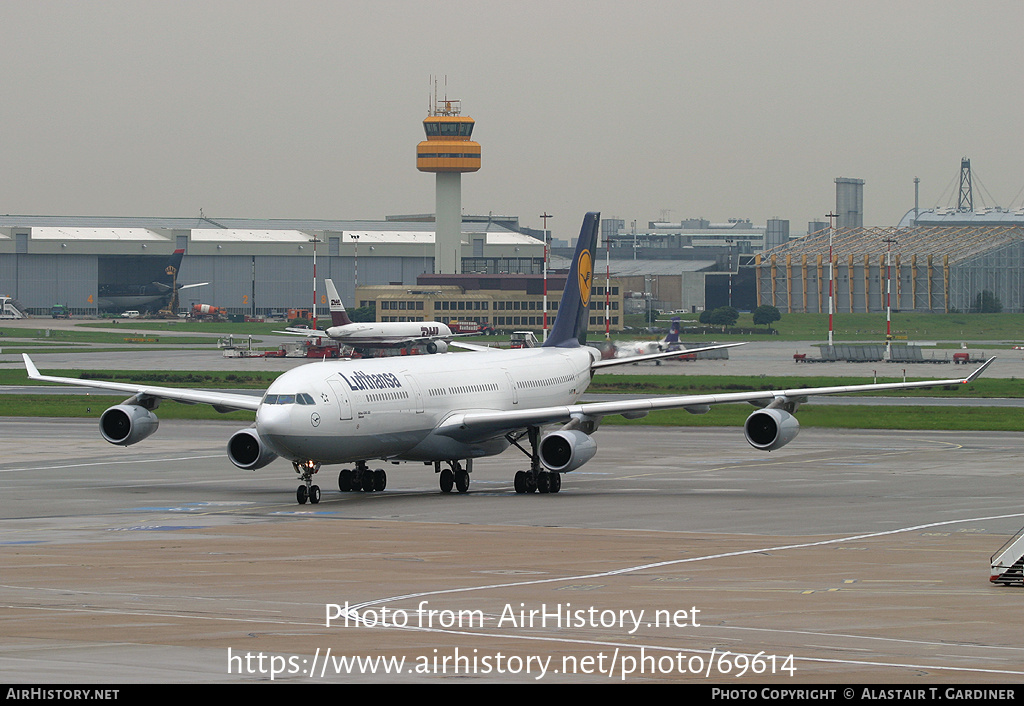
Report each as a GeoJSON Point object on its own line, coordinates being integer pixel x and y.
{"type": "Point", "coordinates": [314, 109]}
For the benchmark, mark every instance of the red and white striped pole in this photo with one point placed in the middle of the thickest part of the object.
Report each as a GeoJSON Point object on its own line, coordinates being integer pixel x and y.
{"type": "Point", "coordinates": [607, 288]}
{"type": "Point", "coordinates": [545, 218]}
{"type": "Point", "coordinates": [314, 240]}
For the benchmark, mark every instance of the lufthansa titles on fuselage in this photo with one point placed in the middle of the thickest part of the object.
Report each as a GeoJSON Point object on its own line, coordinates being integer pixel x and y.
{"type": "Point", "coordinates": [359, 380]}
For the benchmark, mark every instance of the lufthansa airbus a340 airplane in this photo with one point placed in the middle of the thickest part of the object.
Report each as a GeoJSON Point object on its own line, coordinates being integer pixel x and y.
{"type": "Point", "coordinates": [447, 410]}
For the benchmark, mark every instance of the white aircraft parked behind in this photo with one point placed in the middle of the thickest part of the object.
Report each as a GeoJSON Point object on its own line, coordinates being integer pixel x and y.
{"type": "Point", "coordinates": [378, 334]}
{"type": "Point", "coordinates": [447, 410]}
{"type": "Point", "coordinates": [624, 349]}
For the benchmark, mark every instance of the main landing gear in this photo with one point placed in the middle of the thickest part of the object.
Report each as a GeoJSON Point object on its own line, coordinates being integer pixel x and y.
{"type": "Point", "coordinates": [362, 478]}
{"type": "Point", "coordinates": [539, 482]}
{"type": "Point", "coordinates": [307, 491]}
{"type": "Point", "coordinates": [535, 480]}
{"type": "Point", "coordinates": [454, 476]}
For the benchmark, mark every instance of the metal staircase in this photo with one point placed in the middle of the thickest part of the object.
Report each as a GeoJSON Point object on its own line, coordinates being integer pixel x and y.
{"type": "Point", "coordinates": [1008, 562]}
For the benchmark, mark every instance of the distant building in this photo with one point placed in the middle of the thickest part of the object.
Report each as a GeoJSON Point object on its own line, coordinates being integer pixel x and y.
{"type": "Point", "coordinates": [503, 302]}
{"type": "Point", "coordinates": [662, 240]}
{"type": "Point", "coordinates": [936, 269]}
{"type": "Point", "coordinates": [849, 202]}
{"type": "Point", "coordinates": [252, 266]}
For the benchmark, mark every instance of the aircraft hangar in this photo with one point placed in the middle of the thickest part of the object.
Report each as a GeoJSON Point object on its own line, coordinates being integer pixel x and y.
{"type": "Point", "coordinates": [970, 265]}
{"type": "Point", "coordinates": [254, 267]}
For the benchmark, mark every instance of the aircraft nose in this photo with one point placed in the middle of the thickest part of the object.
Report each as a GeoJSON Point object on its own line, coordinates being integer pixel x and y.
{"type": "Point", "coordinates": [273, 419]}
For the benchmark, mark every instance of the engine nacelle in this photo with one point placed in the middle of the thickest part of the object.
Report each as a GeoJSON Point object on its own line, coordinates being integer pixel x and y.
{"type": "Point", "coordinates": [770, 429]}
{"type": "Point", "coordinates": [564, 451]}
{"type": "Point", "coordinates": [437, 347]}
{"type": "Point", "coordinates": [127, 424]}
{"type": "Point", "coordinates": [247, 450]}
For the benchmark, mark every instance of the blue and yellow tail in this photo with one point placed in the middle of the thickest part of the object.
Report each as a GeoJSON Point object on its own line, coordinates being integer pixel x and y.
{"type": "Point", "coordinates": [570, 329]}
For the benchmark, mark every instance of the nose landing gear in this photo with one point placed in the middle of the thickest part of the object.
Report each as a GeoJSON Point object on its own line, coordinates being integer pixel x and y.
{"type": "Point", "coordinates": [307, 491]}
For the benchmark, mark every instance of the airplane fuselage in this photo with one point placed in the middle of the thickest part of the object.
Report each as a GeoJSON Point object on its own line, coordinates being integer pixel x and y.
{"type": "Point", "coordinates": [344, 411]}
{"type": "Point", "coordinates": [390, 331]}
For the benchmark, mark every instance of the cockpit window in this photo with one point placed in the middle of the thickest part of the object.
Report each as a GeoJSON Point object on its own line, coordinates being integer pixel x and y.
{"type": "Point", "coordinates": [301, 398]}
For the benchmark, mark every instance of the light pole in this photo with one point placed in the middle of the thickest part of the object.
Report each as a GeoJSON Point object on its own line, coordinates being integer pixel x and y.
{"type": "Point", "coordinates": [545, 218]}
{"type": "Point", "coordinates": [650, 304]}
{"type": "Point", "coordinates": [355, 301]}
{"type": "Point", "coordinates": [888, 293]}
{"type": "Point", "coordinates": [314, 240]}
{"type": "Point", "coordinates": [728, 243]}
{"type": "Point", "coordinates": [608, 288]}
{"type": "Point", "coordinates": [831, 274]}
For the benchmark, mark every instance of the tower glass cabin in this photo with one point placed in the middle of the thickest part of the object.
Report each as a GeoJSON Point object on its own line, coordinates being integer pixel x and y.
{"type": "Point", "coordinates": [448, 147]}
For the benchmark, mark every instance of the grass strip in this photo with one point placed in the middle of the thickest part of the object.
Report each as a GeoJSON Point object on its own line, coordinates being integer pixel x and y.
{"type": "Point", "coordinates": [812, 415]}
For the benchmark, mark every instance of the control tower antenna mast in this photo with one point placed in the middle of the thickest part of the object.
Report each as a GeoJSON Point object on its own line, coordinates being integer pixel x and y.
{"type": "Point", "coordinates": [966, 200]}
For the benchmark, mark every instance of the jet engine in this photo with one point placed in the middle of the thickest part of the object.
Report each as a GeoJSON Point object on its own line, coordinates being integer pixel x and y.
{"type": "Point", "coordinates": [770, 429]}
{"type": "Point", "coordinates": [437, 347]}
{"type": "Point", "coordinates": [247, 450]}
{"type": "Point", "coordinates": [127, 424]}
{"type": "Point", "coordinates": [564, 451]}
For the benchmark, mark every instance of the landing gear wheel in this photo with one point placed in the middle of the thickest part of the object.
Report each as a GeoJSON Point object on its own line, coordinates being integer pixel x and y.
{"type": "Point", "coordinates": [520, 482]}
{"type": "Point", "coordinates": [543, 482]}
{"type": "Point", "coordinates": [345, 480]}
{"type": "Point", "coordinates": [302, 494]}
{"type": "Point", "coordinates": [537, 478]}
{"type": "Point", "coordinates": [462, 480]}
{"type": "Point", "coordinates": [447, 480]}
{"type": "Point", "coordinates": [314, 494]}
{"type": "Point", "coordinates": [367, 481]}
{"type": "Point", "coordinates": [380, 480]}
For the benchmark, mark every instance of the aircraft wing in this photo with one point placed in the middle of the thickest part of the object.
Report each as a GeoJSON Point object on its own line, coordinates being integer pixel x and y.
{"type": "Point", "coordinates": [472, 346]}
{"type": "Point", "coordinates": [658, 356]}
{"type": "Point", "coordinates": [221, 401]}
{"type": "Point", "coordinates": [167, 287]}
{"type": "Point", "coordinates": [447, 337]}
{"type": "Point", "coordinates": [307, 332]}
{"type": "Point", "coordinates": [470, 425]}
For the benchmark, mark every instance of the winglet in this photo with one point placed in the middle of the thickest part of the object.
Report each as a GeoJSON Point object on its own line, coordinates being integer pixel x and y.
{"type": "Point", "coordinates": [975, 374]}
{"type": "Point", "coordinates": [33, 371]}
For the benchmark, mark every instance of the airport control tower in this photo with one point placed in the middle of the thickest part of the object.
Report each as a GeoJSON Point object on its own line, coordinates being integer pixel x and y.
{"type": "Point", "coordinates": [448, 151]}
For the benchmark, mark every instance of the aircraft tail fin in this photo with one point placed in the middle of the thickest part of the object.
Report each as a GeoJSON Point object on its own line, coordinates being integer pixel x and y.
{"type": "Point", "coordinates": [175, 259]}
{"type": "Point", "coordinates": [172, 268]}
{"type": "Point", "coordinates": [339, 317]}
{"type": "Point", "coordinates": [673, 331]}
{"type": "Point", "coordinates": [570, 329]}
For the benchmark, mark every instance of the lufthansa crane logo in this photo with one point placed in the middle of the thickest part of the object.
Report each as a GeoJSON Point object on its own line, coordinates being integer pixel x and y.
{"type": "Point", "coordinates": [585, 270]}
